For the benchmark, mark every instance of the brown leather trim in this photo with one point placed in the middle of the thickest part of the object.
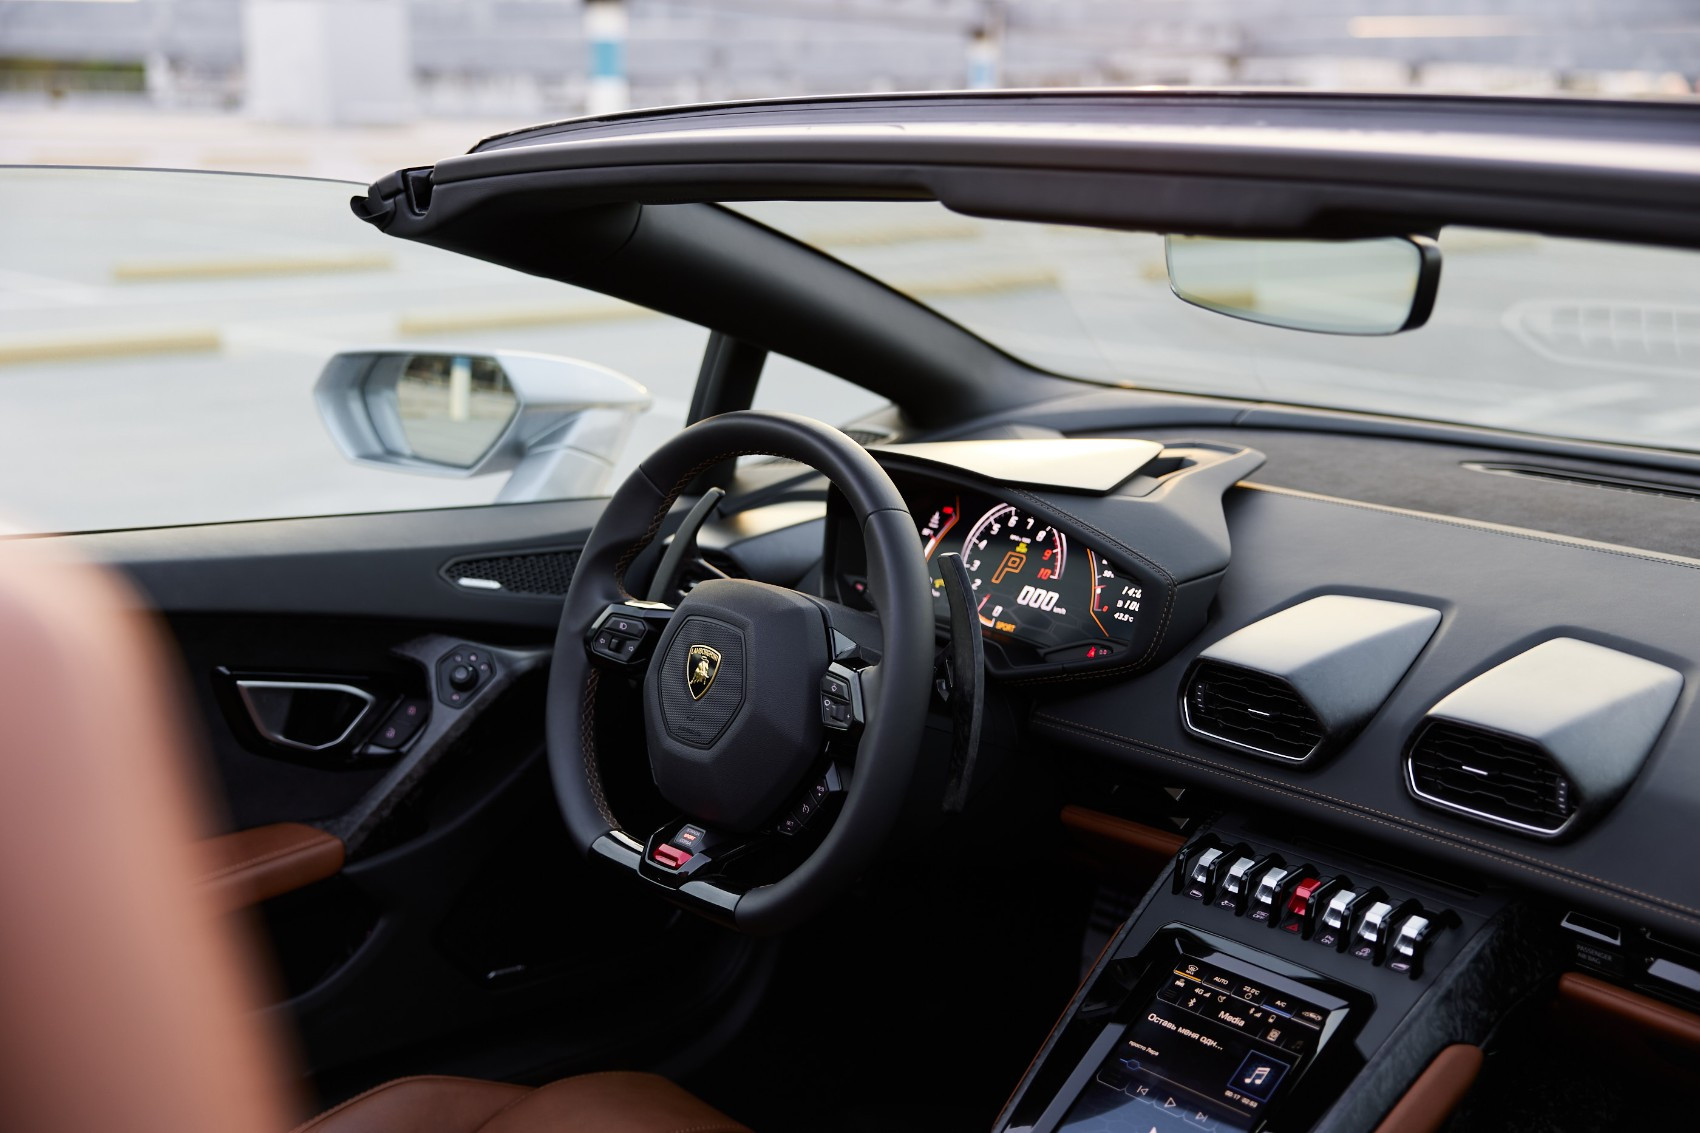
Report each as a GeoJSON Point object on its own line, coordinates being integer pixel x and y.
{"type": "Point", "coordinates": [1068, 1009]}
{"type": "Point", "coordinates": [254, 865]}
{"type": "Point", "coordinates": [126, 1001]}
{"type": "Point", "coordinates": [1437, 1091]}
{"type": "Point", "coordinates": [1135, 835]}
{"type": "Point", "coordinates": [1129, 853]}
{"type": "Point", "coordinates": [614, 1101]}
{"type": "Point", "coordinates": [419, 1104]}
{"type": "Point", "coordinates": [1639, 1011]}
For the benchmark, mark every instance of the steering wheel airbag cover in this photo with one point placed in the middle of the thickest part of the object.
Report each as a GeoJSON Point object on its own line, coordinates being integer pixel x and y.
{"type": "Point", "coordinates": [731, 755]}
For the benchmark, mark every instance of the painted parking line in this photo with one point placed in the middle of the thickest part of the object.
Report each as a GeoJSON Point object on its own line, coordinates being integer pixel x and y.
{"type": "Point", "coordinates": [979, 283]}
{"type": "Point", "coordinates": [15, 351]}
{"type": "Point", "coordinates": [503, 318]}
{"type": "Point", "coordinates": [892, 234]}
{"type": "Point", "coordinates": [236, 267]}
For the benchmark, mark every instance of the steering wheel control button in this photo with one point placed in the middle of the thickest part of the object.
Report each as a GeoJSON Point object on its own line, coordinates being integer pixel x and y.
{"type": "Point", "coordinates": [626, 626]}
{"type": "Point", "coordinates": [671, 856]}
{"type": "Point", "coordinates": [403, 724]}
{"type": "Point", "coordinates": [623, 637]}
{"type": "Point", "coordinates": [840, 699]}
{"type": "Point", "coordinates": [689, 838]}
{"type": "Point", "coordinates": [1405, 955]}
{"type": "Point", "coordinates": [835, 713]}
{"type": "Point", "coordinates": [462, 672]}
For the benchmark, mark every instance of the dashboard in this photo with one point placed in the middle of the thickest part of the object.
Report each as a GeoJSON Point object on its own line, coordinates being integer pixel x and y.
{"type": "Point", "coordinates": [1500, 632]}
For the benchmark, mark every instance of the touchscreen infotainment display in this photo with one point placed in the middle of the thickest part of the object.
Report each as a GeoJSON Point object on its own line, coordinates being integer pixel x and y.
{"type": "Point", "coordinates": [1210, 1051]}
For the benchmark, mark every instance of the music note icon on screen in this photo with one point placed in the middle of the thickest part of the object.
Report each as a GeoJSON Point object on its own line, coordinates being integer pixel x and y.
{"type": "Point", "coordinates": [1258, 1076]}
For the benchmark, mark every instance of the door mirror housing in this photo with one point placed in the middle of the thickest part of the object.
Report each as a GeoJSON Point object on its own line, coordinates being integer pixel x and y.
{"type": "Point", "coordinates": [556, 424]}
{"type": "Point", "coordinates": [1379, 285]}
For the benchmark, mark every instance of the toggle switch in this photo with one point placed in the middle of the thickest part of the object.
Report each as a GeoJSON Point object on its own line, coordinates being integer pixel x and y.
{"type": "Point", "coordinates": [1296, 919]}
{"type": "Point", "coordinates": [1333, 926]}
{"type": "Point", "coordinates": [1371, 937]}
{"type": "Point", "coordinates": [1201, 874]}
{"type": "Point", "coordinates": [1408, 942]}
{"type": "Point", "coordinates": [1236, 885]}
{"type": "Point", "coordinates": [1267, 898]}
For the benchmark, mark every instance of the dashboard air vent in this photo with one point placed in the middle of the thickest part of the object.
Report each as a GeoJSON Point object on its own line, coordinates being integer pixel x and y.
{"type": "Point", "coordinates": [1494, 776]}
{"type": "Point", "coordinates": [1251, 710]}
{"type": "Point", "coordinates": [1543, 743]}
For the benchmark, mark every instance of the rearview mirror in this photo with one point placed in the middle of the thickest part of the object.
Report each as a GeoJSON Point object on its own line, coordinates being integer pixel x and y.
{"type": "Point", "coordinates": [1379, 285]}
{"type": "Point", "coordinates": [557, 424]}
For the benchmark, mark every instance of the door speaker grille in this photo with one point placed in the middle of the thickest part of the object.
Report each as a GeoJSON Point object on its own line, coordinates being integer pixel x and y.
{"type": "Point", "coordinates": [532, 573]}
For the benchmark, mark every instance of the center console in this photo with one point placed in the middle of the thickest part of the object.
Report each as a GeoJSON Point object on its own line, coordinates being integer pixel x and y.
{"type": "Point", "coordinates": [1273, 984]}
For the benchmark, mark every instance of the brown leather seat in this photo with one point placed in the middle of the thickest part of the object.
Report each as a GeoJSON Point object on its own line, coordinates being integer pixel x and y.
{"type": "Point", "coordinates": [615, 1102]}
{"type": "Point", "coordinates": [126, 999]}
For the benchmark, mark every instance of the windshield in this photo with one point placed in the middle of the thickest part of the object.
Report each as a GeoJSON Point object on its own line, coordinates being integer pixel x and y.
{"type": "Point", "coordinates": [1571, 338]}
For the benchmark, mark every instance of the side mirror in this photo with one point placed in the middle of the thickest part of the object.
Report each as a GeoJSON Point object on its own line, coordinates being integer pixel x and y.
{"type": "Point", "coordinates": [557, 424]}
{"type": "Point", "coordinates": [1380, 285]}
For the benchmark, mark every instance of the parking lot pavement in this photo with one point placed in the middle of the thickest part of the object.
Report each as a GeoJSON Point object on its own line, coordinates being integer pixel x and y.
{"type": "Point", "coordinates": [159, 343]}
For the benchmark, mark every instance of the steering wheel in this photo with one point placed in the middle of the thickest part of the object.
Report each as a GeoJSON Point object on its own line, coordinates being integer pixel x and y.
{"type": "Point", "coordinates": [765, 709]}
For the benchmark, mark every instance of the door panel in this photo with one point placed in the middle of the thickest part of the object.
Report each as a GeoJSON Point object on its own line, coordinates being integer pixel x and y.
{"type": "Point", "coordinates": [464, 934]}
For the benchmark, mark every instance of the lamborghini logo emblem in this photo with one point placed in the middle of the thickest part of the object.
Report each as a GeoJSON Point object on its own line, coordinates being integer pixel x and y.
{"type": "Point", "coordinates": [702, 665]}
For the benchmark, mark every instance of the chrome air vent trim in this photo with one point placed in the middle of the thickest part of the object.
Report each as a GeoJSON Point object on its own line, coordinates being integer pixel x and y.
{"type": "Point", "coordinates": [1417, 749]}
{"type": "Point", "coordinates": [1209, 670]}
{"type": "Point", "coordinates": [1338, 655]}
{"type": "Point", "coordinates": [1594, 712]}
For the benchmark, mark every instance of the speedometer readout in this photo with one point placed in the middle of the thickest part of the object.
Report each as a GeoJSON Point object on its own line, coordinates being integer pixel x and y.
{"type": "Point", "coordinates": [1030, 585]}
{"type": "Point", "coordinates": [1017, 563]}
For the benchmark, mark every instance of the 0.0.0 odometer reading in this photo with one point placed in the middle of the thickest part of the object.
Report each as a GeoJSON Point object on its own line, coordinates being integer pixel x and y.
{"type": "Point", "coordinates": [1018, 565]}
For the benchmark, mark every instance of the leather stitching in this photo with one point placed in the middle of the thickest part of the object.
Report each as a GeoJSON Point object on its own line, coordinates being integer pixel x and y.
{"type": "Point", "coordinates": [314, 1122]}
{"type": "Point", "coordinates": [1383, 818]}
{"type": "Point", "coordinates": [485, 1124]}
{"type": "Point", "coordinates": [587, 741]}
{"type": "Point", "coordinates": [642, 541]}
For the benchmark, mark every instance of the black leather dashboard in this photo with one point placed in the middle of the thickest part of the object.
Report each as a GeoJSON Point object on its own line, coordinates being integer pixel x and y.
{"type": "Point", "coordinates": [1500, 591]}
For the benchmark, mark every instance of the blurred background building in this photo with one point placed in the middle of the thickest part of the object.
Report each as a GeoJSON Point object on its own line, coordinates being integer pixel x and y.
{"type": "Point", "coordinates": [344, 86]}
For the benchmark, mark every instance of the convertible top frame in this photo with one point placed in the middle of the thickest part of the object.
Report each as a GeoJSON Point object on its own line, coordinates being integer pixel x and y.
{"type": "Point", "coordinates": [625, 204]}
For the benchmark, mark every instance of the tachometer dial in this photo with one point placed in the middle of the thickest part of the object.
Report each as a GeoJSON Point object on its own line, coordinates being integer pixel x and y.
{"type": "Point", "coordinates": [1017, 563]}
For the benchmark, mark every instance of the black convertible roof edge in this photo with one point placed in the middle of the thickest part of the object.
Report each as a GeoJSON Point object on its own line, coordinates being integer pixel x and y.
{"type": "Point", "coordinates": [1570, 110]}
{"type": "Point", "coordinates": [629, 205]}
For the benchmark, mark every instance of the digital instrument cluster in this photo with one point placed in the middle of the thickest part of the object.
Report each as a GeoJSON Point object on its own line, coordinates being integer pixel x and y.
{"type": "Point", "coordinates": [1032, 584]}
{"type": "Point", "coordinates": [1072, 570]}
